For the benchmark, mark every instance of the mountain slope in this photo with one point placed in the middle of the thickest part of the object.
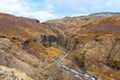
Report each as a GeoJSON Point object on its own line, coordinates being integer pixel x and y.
{"type": "Point", "coordinates": [33, 47]}
{"type": "Point", "coordinates": [10, 73]}
{"type": "Point", "coordinates": [29, 47]}
{"type": "Point", "coordinates": [105, 14]}
{"type": "Point", "coordinates": [96, 41]}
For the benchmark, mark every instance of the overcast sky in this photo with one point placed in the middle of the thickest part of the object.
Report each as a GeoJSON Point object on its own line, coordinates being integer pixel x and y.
{"type": "Point", "coordinates": [52, 9]}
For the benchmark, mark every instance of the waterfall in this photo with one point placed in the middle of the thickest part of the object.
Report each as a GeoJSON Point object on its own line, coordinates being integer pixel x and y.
{"type": "Point", "coordinates": [76, 73]}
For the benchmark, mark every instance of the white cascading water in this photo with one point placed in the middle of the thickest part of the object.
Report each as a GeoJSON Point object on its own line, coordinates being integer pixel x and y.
{"type": "Point", "coordinates": [76, 73]}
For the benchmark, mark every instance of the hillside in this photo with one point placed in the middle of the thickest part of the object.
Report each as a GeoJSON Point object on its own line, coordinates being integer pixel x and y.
{"type": "Point", "coordinates": [11, 74]}
{"type": "Point", "coordinates": [96, 40]}
{"type": "Point", "coordinates": [29, 47]}
{"type": "Point", "coordinates": [104, 14]}
{"type": "Point", "coordinates": [56, 49]}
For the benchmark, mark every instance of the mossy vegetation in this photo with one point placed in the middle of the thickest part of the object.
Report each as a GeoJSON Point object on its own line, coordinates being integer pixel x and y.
{"type": "Point", "coordinates": [1, 51]}
{"type": "Point", "coordinates": [53, 53]}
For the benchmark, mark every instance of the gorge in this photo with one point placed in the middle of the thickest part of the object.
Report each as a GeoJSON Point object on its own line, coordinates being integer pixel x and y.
{"type": "Point", "coordinates": [70, 48]}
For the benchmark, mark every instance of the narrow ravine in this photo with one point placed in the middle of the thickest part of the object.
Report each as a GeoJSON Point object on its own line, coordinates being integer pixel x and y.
{"type": "Point", "coordinates": [63, 57]}
{"type": "Point", "coordinates": [76, 73]}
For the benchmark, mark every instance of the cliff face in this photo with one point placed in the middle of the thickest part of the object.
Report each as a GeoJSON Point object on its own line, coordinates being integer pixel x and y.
{"type": "Point", "coordinates": [99, 56]}
{"type": "Point", "coordinates": [32, 47]}
{"type": "Point", "coordinates": [97, 44]}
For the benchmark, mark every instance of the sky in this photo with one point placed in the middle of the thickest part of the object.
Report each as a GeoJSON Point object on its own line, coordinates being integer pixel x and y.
{"type": "Point", "coordinates": [44, 10]}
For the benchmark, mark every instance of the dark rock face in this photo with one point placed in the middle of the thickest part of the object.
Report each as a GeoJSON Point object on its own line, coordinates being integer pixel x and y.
{"type": "Point", "coordinates": [27, 46]}
{"type": "Point", "coordinates": [14, 57]}
{"type": "Point", "coordinates": [49, 41]}
{"type": "Point", "coordinates": [97, 56]}
{"type": "Point", "coordinates": [113, 56]}
{"type": "Point", "coordinates": [32, 47]}
{"type": "Point", "coordinates": [96, 43]}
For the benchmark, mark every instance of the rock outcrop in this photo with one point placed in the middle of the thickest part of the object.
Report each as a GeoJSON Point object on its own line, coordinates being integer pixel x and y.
{"type": "Point", "coordinates": [12, 74]}
{"type": "Point", "coordinates": [97, 44]}
{"type": "Point", "coordinates": [32, 47]}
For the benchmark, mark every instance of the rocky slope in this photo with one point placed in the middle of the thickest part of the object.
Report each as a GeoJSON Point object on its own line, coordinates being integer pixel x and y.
{"type": "Point", "coordinates": [33, 47]}
{"type": "Point", "coordinates": [97, 44]}
{"type": "Point", "coordinates": [12, 74]}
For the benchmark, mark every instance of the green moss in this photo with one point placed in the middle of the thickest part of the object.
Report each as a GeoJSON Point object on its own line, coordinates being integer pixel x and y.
{"type": "Point", "coordinates": [1, 51]}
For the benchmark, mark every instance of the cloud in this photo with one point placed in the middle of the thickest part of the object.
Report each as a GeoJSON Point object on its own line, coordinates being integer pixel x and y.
{"type": "Point", "coordinates": [25, 8]}
{"type": "Point", "coordinates": [51, 9]}
{"type": "Point", "coordinates": [85, 6]}
{"type": "Point", "coordinates": [41, 15]}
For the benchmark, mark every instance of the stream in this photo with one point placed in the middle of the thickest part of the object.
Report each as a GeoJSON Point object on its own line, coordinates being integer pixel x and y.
{"type": "Point", "coordinates": [76, 73]}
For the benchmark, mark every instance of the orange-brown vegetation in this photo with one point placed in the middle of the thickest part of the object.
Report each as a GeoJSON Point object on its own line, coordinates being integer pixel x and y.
{"type": "Point", "coordinates": [32, 47]}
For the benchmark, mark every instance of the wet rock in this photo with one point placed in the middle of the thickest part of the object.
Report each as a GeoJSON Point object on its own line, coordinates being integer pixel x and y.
{"type": "Point", "coordinates": [49, 41]}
